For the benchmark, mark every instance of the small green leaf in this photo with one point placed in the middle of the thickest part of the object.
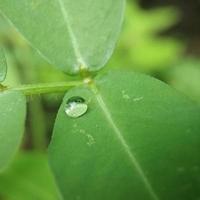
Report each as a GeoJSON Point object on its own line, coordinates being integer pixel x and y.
{"type": "Point", "coordinates": [71, 34]}
{"type": "Point", "coordinates": [3, 65]}
{"type": "Point", "coordinates": [28, 178]}
{"type": "Point", "coordinates": [13, 109]}
{"type": "Point", "coordinates": [139, 139]}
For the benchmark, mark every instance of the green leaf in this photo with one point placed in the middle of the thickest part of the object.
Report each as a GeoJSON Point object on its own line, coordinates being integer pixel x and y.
{"type": "Point", "coordinates": [13, 109]}
{"type": "Point", "coordinates": [185, 77]}
{"type": "Point", "coordinates": [3, 65]}
{"type": "Point", "coordinates": [28, 178]}
{"type": "Point", "coordinates": [139, 139]}
{"type": "Point", "coordinates": [69, 34]}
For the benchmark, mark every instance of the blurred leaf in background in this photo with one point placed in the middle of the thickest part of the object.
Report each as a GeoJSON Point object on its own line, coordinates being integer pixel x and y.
{"type": "Point", "coordinates": [140, 46]}
{"type": "Point", "coordinates": [185, 77]}
{"type": "Point", "coordinates": [28, 178]}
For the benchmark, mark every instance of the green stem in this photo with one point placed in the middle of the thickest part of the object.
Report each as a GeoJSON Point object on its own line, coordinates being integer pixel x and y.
{"type": "Point", "coordinates": [45, 88]}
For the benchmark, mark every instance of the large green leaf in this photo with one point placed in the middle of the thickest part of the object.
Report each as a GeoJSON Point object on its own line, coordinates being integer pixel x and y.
{"type": "Point", "coordinates": [3, 65]}
{"type": "Point", "coordinates": [28, 178]}
{"type": "Point", "coordinates": [139, 140]}
{"type": "Point", "coordinates": [69, 34]}
{"type": "Point", "coordinates": [12, 118]}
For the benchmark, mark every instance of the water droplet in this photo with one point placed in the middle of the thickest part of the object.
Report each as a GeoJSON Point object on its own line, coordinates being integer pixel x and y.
{"type": "Point", "coordinates": [76, 107]}
{"type": "Point", "coordinates": [125, 96]}
{"type": "Point", "coordinates": [91, 140]}
{"type": "Point", "coordinates": [138, 99]}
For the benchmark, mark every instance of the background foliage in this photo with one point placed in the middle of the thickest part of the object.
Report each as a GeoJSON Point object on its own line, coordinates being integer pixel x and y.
{"type": "Point", "coordinates": [150, 42]}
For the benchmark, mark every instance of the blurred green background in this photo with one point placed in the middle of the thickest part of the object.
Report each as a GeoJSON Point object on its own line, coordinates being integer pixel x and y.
{"type": "Point", "coordinates": [159, 38]}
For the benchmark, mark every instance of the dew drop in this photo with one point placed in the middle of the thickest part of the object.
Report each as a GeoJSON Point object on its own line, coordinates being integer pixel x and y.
{"type": "Point", "coordinates": [76, 107]}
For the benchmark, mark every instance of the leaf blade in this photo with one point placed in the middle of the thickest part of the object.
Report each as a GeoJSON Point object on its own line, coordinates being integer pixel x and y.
{"type": "Point", "coordinates": [3, 65]}
{"type": "Point", "coordinates": [123, 142]}
{"type": "Point", "coordinates": [129, 153]}
{"type": "Point", "coordinates": [82, 33]}
{"type": "Point", "coordinates": [12, 118]}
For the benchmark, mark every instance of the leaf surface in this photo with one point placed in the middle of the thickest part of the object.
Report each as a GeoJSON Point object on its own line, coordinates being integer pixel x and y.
{"type": "Point", "coordinates": [69, 34]}
{"type": "Point", "coordinates": [139, 139]}
{"type": "Point", "coordinates": [3, 65]}
{"type": "Point", "coordinates": [12, 118]}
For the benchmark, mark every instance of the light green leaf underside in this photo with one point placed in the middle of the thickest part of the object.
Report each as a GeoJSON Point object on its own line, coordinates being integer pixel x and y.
{"type": "Point", "coordinates": [139, 139]}
{"type": "Point", "coordinates": [3, 65]}
{"type": "Point", "coordinates": [12, 118]}
{"type": "Point", "coordinates": [69, 34]}
{"type": "Point", "coordinates": [28, 178]}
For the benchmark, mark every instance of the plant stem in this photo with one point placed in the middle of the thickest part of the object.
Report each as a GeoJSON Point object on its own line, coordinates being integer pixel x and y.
{"type": "Point", "coordinates": [45, 88]}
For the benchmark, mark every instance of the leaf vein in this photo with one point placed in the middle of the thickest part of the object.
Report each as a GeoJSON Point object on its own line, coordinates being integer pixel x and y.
{"type": "Point", "coordinates": [122, 140]}
{"type": "Point", "coordinates": [72, 36]}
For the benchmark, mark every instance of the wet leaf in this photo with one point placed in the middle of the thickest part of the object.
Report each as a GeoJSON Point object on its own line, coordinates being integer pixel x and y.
{"type": "Point", "coordinates": [138, 140]}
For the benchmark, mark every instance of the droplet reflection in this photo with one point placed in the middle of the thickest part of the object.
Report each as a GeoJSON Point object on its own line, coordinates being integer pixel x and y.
{"type": "Point", "coordinates": [76, 107]}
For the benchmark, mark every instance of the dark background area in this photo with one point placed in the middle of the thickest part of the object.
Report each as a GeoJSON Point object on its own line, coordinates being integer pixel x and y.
{"type": "Point", "coordinates": [188, 28]}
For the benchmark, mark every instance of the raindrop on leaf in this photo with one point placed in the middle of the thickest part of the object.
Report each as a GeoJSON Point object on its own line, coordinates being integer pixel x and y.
{"type": "Point", "coordinates": [76, 107]}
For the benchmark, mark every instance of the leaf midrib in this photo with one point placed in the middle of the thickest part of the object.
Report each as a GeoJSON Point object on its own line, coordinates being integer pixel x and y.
{"type": "Point", "coordinates": [122, 140]}
{"type": "Point", "coordinates": [73, 39]}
